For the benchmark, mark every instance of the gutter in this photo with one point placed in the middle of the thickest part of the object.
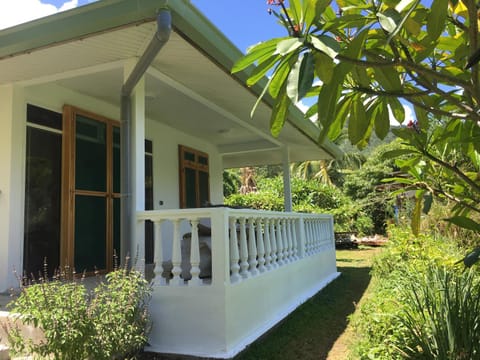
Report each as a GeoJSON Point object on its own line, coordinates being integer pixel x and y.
{"type": "Point", "coordinates": [164, 27]}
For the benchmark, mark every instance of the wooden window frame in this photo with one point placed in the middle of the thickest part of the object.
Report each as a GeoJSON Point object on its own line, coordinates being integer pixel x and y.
{"type": "Point", "coordinates": [197, 167]}
{"type": "Point", "coordinates": [69, 190]}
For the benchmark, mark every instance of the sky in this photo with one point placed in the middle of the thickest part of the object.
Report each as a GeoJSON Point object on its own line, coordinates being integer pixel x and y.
{"type": "Point", "coordinates": [245, 22]}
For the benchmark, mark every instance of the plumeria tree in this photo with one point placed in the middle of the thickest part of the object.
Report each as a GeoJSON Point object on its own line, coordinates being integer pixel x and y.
{"type": "Point", "coordinates": [361, 61]}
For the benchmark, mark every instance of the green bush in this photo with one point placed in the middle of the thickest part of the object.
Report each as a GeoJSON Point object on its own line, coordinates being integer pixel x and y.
{"type": "Point", "coordinates": [308, 196]}
{"type": "Point", "coordinates": [422, 305]}
{"type": "Point", "coordinates": [112, 322]}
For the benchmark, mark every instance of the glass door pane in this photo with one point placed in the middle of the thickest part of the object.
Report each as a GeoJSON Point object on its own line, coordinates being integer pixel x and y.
{"type": "Point", "coordinates": [90, 233]}
{"type": "Point", "coordinates": [42, 201]}
{"type": "Point", "coordinates": [90, 154]}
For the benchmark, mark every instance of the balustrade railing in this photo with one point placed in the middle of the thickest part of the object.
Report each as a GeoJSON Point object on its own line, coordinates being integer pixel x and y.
{"type": "Point", "coordinates": [249, 242]}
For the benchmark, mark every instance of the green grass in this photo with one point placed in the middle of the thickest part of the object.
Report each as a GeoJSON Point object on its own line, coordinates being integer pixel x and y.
{"type": "Point", "coordinates": [311, 331]}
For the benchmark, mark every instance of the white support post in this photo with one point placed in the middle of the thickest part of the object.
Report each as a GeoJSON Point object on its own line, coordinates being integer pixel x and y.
{"type": "Point", "coordinates": [287, 187]}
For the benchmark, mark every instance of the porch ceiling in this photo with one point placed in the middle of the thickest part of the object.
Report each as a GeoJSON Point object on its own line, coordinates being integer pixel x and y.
{"type": "Point", "coordinates": [185, 89]}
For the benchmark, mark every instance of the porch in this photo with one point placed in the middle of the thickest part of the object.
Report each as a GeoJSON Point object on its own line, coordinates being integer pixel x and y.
{"type": "Point", "coordinates": [263, 265]}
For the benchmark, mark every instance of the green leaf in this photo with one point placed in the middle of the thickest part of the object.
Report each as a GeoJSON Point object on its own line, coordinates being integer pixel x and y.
{"type": "Point", "coordinates": [436, 18]}
{"type": "Point", "coordinates": [261, 70]}
{"type": "Point", "coordinates": [279, 77]}
{"type": "Point", "coordinates": [300, 79]}
{"type": "Point", "coordinates": [389, 19]}
{"type": "Point", "coordinates": [358, 122]}
{"type": "Point", "coordinates": [324, 66]}
{"type": "Point", "coordinates": [307, 75]}
{"type": "Point", "coordinates": [312, 9]}
{"type": "Point", "coordinates": [397, 109]}
{"type": "Point", "coordinates": [427, 203]}
{"type": "Point", "coordinates": [343, 112]}
{"type": "Point", "coordinates": [381, 120]}
{"type": "Point", "coordinates": [279, 113]}
{"type": "Point", "coordinates": [417, 213]}
{"type": "Point", "coordinates": [464, 222]}
{"type": "Point", "coordinates": [388, 79]}
{"type": "Point", "coordinates": [287, 46]}
{"type": "Point", "coordinates": [296, 11]}
{"type": "Point", "coordinates": [392, 154]}
{"type": "Point", "coordinates": [325, 44]}
{"type": "Point", "coordinates": [255, 52]}
{"type": "Point", "coordinates": [328, 97]}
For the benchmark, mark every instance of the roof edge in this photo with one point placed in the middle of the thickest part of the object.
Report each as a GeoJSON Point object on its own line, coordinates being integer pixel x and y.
{"type": "Point", "coordinates": [76, 23]}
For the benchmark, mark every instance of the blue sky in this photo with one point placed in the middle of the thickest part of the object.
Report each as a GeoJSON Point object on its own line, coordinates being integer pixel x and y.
{"type": "Point", "coordinates": [244, 22]}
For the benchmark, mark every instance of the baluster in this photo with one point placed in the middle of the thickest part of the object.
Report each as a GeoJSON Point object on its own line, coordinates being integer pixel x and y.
{"type": "Point", "coordinates": [252, 248]}
{"type": "Point", "coordinates": [308, 239]}
{"type": "Point", "coordinates": [234, 257]}
{"type": "Point", "coordinates": [288, 229]}
{"type": "Point", "coordinates": [195, 254]}
{"type": "Point", "coordinates": [290, 240]}
{"type": "Point", "coordinates": [158, 254]}
{"type": "Point", "coordinates": [280, 249]}
{"type": "Point", "coordinates": [273, 242]}
{"type": "Point", "coordinates": [293, 230]}
{"type": "Point", "coordinates": [268, 247]}
{"type": "Point", "coordinates": [318, 231]}
{"type": "Point", "coordinates": [312, 236]}
{"type": "Point", "coordinates": [176, 255]}
{"type": "Point", "coordinates": [286, 246]}
{"type": "Point", "coordinates": [260, 247]}
{"type": "Point", "coordinates": [243, 249]}
{"type": "Point", "coordinates": [314, 240]}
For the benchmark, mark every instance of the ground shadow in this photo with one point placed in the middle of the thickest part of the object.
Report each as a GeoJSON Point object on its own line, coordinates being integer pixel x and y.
{"type": "Point", "coordinates": [311, 331]}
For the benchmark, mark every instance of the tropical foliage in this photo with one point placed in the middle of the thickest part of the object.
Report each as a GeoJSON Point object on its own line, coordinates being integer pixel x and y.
{"type": "Point", "coordinates": [361, 61]}
{"type": "Point", "coordinates": [421, 306]}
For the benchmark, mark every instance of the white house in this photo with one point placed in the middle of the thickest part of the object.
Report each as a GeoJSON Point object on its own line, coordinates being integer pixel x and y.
{"type": "Point", "coordinates": [121, 111]}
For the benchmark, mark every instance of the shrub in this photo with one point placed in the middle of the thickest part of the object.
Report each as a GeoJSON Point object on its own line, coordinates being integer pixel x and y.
{"type": "Point", "coordinates": [417, 290]}
{"type": "Point", "coordinates": [109, 323]}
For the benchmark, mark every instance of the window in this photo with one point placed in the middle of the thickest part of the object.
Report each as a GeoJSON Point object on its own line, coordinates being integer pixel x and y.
{"type": "Point", "coordinates": [149, 241]}
{"type": "Point", "coordinates": [42, 190]}
{"type": "Point", "coordinates": [194, 178]}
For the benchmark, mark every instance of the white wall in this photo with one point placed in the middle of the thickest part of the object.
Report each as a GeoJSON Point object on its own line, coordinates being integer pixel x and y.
{"type": "Point", "coordinates": [165, 162]}
{"type": "Point", "coordinates": [12, 140]}
{"type": "Point", "coordinates": [13, 100]}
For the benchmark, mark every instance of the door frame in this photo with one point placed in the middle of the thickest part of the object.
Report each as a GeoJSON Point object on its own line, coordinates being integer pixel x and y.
{"type": "Point", "coordinates": [69, 191]}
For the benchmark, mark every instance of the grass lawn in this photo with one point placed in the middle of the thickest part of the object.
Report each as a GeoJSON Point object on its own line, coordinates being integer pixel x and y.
{"type": "Point", "coordinates": [319, 328]}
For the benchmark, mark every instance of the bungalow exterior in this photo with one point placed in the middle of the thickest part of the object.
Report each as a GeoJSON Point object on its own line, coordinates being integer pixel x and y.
{"type": "Point", "coordinates": [117, 120]}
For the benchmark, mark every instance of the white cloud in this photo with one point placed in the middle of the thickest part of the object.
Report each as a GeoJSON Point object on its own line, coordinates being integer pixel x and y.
{"type": "Point", "coordinates": [19, 11]}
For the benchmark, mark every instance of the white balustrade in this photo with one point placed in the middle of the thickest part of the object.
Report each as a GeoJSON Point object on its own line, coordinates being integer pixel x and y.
{"type": "Point", "coordinates": [255, 242]}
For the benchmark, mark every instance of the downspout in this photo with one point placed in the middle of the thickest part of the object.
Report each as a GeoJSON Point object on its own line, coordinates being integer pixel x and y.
{"type": "Point", "coordinates": [164, 27]}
